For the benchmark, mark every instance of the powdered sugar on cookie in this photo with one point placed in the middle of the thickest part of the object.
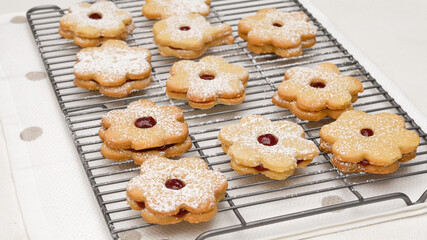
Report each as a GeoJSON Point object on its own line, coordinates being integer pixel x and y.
{"type": "Point", "coordinates": [154, 9]}
{"type": "Point", "coordinates": [113, 63]}
{"type": "Point", "coordinates": [202, 186]}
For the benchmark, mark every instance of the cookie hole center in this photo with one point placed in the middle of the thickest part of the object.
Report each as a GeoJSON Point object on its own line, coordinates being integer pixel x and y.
{"type": "Point", "coordinates": [364, 163]}
{"type": "Point", "coordinates": [268, 139]}
{"type": "Point", "coordinates": [145, 122]}
{"type": "Point", "coordinates": [95, 16]}
{"type": "Point", "coordinates": [174, 184]}
{"type": "Point", "coordinates": [181, 213]}
{"type": "Point", "coordinates": [277, 25]}
{"type": "Point", "coordinates": [367, 132]}
{"type": "Point", "coordinates": [260, 168]}
{"type": "Point", "coordinates": [184, 28]}
{"type": "Point", "coordinates": [317, 84]}
{"type": "Point", "coordinates": [207, 76]}
{"type": "Point", "coordinates": [141, 205]}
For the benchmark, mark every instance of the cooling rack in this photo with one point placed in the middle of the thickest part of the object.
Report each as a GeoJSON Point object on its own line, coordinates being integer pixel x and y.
{"type": "Point", "coordinates": [247, 194]}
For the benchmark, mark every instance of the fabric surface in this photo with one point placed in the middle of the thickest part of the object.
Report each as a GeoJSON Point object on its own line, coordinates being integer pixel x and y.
{"type": "Point", "coordinates": [56, 199]}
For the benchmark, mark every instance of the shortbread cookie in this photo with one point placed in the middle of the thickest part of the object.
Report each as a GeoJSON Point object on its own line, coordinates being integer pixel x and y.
{"type": "Point", "coordinates": [161, 9]}
{"type": "Point", "coordinates": [115, 91]}
{"type": "Point", "coordinates": [361, 142]}
{"type": "Point", "coordinates": [113, 63]}
{"type": "Point", "coordinates": [139, 156]}
{"type": "Point", "coordinates": [189, 36]}
{"type": "Point", "coordinates": [143, 125]}
{"type": "Point", "coordinates": [275, 149]}
{"type": "Point", "coordinates": [308, 115]}
{"type": "Point", "coordinates": [92, 42]}
{"type": "Point", "coordinates": [208, 82]}
{"type": "Point", "coordinates": [95, 21]}
{"type": "Point", "coordinates": [282, 33]}
{"type": "Point", "coordinates": [170, 191]}
{"type": "Point", "coordinates": [312, 94]}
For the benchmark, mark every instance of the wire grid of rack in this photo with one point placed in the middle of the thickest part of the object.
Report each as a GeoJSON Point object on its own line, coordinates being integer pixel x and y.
{"type": "Point", "coordinates": [83, 110]}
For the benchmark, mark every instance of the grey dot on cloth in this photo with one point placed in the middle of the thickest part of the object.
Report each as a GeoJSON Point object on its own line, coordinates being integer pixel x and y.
{"type": "Point", "coordinates": [35, 76]}
{"type": "Point", "coordinates": [18, 19]}
{"type": "Point", "coordinates": [31, 133]}
{"type": "Point", "coordinates": [332, 200]}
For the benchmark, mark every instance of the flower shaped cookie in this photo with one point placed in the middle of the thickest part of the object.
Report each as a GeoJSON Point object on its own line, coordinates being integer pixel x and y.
{"type": "Point", "coordinates": [205, 83]}
{"type": "Point", "coordinates": [275, 149]}
{"type": "Point", "coordinates": [270, 29]}
{"type": "Point", "coordinates": [143, 125]}
{"type": "Point", "coordinates": [101, 19]}
{"type": "Point", "coordinates": [368, 143]}
{"type": "Point", "coordinates": [169, 191]}
{"type": "Point", "coordinates": [189, 36]}
{"type": "Point", "coordinates": [161, 9]}
{"type": "Point", "coordinates": [113, 63]}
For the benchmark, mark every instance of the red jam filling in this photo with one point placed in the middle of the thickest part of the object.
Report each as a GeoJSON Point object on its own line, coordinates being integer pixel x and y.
{"type": "Point", "coordinates": [162, 148]}
{"type": "Point", "coordinates": [175, 48]}
{"type": "Point", "coordinates": [184, 28]}
{"type": "Point", "coordinates": [95, 16]}
{"type": "Point", "coordinates": [145, 122]}
{"type": "Point", "coordinates": [365, 163]}
{"type": "Point", "coordinates": [317, 85]}
{"type": "Point", "coordinates": [299, 161]}
{"type": "Point", "coordinates": [207, 77]}
{"type": "Point", "coordinates": [174, 184]}
{"type": "Point", "coordinates": [141, 205]}
{"type": "Point", "coordinates": [277, 25]}
{"type": "Point", "coordinates": [367, 132]}
{"type": "Point", "coordinates": [260, 168]}
{"type": "Point", "coordinates": [181, 213]}
{"type": "Point", "coordinates": [268, 139]}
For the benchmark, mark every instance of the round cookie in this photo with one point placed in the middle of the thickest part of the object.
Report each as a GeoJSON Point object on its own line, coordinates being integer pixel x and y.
{"type": "Point", "coordinates": [362, 142]}
{"type": "Point", "coordinates": [208, 82]}
{"type": "Point", "coordinates": [170, 191]}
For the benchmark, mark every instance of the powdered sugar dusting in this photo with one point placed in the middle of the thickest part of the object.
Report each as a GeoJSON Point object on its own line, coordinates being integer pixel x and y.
{"type": "Point", "coordinates": [113, 62]}
{"type": "Point", "coordinates": [389, 140]}
{"type": "Point", "coordinates": [198, 26]}
{"type": "Point", "coordinates": [112, 17]}
{"type": "Point", "coordinates": [292, 26]}
{"type": "Point", "coordinates": [180, 7]}
{"type": "Point", "coordinates": [290, 143]}
{"type": "Point", "coordinates": [201, 184]}
{"type": "Point", "coordinates": [122, 125]}
{"type": "Point", "coordinates": [228, 78]}
{"type": "Point", "coordinates": [338, 89]}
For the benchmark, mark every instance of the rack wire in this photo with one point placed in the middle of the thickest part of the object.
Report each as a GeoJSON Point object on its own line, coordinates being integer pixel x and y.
{"type": "Point", "coordinates": [246, 193]}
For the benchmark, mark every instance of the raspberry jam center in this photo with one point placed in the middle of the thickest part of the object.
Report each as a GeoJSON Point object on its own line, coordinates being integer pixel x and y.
{"type": "Point", "coordinates": [367, 132]}
{"type": "Point", "coordinates": [181, 213]}
{"type": "Point", "coordinates": [365, 163]}
{"type": "Point", "coordinates": [207, 77]}
{"type": "Point", "coordinates": [299, 161]}
{"type": "Point", "coordinates": [141, 205]}
{"type": "Point", "coordinates": [95, 16]}
{"type": "Point", "coordinates": [277, 25]}
{"type": "Point", "coordinates": [174, 184]}
{"type": "Point", "coordinates": [145, 122]}
{"type": "Point", "coordinates": [260, 168]}
{"type": "Point", "coordinates": [268, 139]}
{"type": "Point", "coordinates": [184, 28]}
{"type": "Point", "coordinates": [317, 85]}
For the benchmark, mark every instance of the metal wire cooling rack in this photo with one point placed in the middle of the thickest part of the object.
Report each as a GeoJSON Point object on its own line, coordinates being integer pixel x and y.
{"type": "Point", "coordinates": [240, 210]}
